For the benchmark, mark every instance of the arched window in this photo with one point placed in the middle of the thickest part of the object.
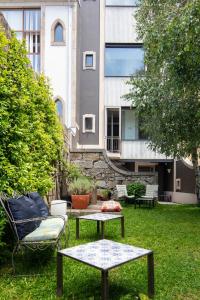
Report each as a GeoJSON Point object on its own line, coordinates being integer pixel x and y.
{"type": "Point", "coordinates": [58, 33]}
{"type": "Point", "coordinates": [59, 107]}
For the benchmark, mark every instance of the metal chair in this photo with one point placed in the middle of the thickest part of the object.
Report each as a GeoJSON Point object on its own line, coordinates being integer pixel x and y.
{"type": "Point", "coordinates": [149, 197]}
{"type": "Point", "coordinates": [48, 233]}
{"type": "Point", "coordinates": [122, 193]}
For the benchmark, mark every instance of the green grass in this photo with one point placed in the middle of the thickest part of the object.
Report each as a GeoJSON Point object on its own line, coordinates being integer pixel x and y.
{"type": "Point", "coordinates": [172, 232]}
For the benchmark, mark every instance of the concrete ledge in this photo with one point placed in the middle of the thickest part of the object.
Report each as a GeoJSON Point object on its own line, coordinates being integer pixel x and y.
{"type": "Point", "coordinates": [183, 198]}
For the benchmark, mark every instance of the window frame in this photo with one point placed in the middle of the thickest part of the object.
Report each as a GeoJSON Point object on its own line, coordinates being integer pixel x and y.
{"type": "Point", "coordinates": [25, 33]}
{"type": "Point", "coordinates": [93, 123]}
{"type": "Point", "coordinates": [117, 46]}
{"type": "Point", "coordinates": [53, 27]}
{"type": "Point", "coordinates": [121, 5]}
{"type": "Point", "coordinates": [57, 99]}
{"type": "Point", "coordinates": [85, 54]}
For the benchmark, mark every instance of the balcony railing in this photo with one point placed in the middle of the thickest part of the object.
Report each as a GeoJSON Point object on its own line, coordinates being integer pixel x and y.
{"type": "Point", "coordinates": [113, 144]}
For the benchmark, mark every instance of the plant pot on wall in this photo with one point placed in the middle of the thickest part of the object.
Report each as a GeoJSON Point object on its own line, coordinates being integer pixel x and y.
{"type": "Point", "coordinates": [80, 201]}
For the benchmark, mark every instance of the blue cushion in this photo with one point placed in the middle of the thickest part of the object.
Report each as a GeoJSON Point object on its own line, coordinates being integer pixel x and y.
{"type": "Point", "coordinates": [24, 208]}
{"type": "Point", "coordinates": [44, 211]}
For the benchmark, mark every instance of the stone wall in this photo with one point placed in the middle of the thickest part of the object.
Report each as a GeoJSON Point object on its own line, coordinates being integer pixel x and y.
{"type": "Point", "coordinates": [97, 165]}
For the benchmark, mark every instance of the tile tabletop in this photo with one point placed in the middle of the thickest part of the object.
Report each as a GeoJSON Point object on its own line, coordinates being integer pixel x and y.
{"type": "Point", "coordinates": [100, 217]}
{"type": "Point", "coordinates": [104, 254]}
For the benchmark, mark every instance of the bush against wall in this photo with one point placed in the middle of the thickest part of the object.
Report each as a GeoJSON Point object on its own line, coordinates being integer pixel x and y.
{"type": "Point", "coordinates": [31, 138]}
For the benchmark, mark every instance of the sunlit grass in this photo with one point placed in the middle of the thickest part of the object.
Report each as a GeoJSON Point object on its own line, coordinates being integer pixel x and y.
{"type": "Point", "coordinates": [172, 232]}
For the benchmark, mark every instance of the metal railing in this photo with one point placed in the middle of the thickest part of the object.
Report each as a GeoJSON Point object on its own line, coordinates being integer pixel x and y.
{"type": "Point", "coordinates": [113, 144]}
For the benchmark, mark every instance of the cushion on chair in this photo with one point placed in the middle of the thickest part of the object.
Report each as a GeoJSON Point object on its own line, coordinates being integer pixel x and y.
{"type": "Point", "coordinates": [111, 206]}
{"type": "Point", "coordinates": [24, 208]}
{"type": "Point", "coordinates": [44, 211]}
{"type": "Point", "coordinates": [49, 229]}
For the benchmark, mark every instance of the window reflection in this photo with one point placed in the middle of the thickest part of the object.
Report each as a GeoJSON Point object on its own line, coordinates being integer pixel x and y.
{"type": "Point", "coordinates": [59, 107]}
{"type": "Point", "coordinates": [58, 33]}
{"type": "Point", "coordinates": [123, 61]}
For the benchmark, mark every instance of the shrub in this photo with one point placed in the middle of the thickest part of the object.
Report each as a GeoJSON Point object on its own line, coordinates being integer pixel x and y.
{"type": "Point", "coordinates": [136, 188]}
{"type": "Point", "coordinates": [30, 132]}
{"type": "Point", "coordinates": [80, 186]}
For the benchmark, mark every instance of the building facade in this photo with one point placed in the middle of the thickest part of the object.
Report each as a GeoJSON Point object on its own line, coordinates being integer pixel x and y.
{"type": "Point", "coordinates": [89, 49]}
{"type": "Point", "coordinates": [49, 29]}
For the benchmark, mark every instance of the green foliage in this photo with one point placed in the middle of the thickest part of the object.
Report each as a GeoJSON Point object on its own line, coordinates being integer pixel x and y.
{"type": "Point", "coordinates": [136, 188]}
{"type": "Point", "coordinates": [72, 171]}
{"type": "Point", "coordinates": [167, 95]}
{"type": "Point", "coordinates": [80, 186]}
{"type": "Point", "coordinates": [30, 132]}
{"type": "Point", "coordinates": [105, 194]}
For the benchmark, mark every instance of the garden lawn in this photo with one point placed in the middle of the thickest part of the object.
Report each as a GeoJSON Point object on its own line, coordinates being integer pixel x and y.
{"type": "Point", "coordinates": [171, 231]}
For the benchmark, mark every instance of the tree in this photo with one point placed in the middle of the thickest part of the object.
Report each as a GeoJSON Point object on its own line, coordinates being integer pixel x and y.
{"type": "Point", "coordinates": [167, 94]}
{"type": "Point", "coordinates": [31, 138]}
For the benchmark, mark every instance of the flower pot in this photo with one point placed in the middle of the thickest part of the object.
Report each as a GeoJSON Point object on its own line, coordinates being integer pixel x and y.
{"type": "Point", "coordinates": [80, 201]}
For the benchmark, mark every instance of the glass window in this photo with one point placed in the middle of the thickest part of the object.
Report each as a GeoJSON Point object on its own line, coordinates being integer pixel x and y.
{"type": "Point", "coordinates": [59, 107]}
{"type": "Point", "coordinates": [58, 33]}
{"type": "Point", "coordinates": [88, 123]}
{"type": "Point", "coordinates": [129, 125]}
{"type": "Point", "coordinates": [123, 61]}
{"type": "Point", "coordinates": [122, 2]}
{"type": "Point", "coordinates": [89, 60]}
{"type": "Point", "coordinates": [26, 24]}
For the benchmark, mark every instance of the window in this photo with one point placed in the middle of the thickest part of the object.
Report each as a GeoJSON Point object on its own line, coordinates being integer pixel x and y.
{"type": "Point", "coordinates": [58, 33]}
{"type": "Point", "coordinates": [89, 60]}
{"type": "Point", "coordinates": [122, 2]}
{"type": "Point", "coordinates": [113, 130]}
{"type": "Point", "coordinates": [89, 123]}
{"type": "Point", "coordinates": [59, 107]}
{"type": "Point", "coordinates": [123, 60]}
{"type": "Point", "coordinates": [131, 129]}
{"type": "Point", "coordinates": [26, 24]}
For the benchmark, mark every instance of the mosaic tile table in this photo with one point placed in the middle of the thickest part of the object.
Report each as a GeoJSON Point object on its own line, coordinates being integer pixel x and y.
{"type": "Point", "coordinates": [105, 255]}
{"type": "Point", "coordinates": [100, 218]}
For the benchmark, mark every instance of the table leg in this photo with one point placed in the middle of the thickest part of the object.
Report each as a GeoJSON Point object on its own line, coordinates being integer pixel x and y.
{"type": "Point", "coordinates": [59, 291]}
{"type": "Point", "coordinates": [122, 226]}
{"type": "Point", "coordinates": [102, 229]}
{"type": "Point", "coordinates": [150, 262]}
{"type": "Point", "coordinates": [104, 285]}
{"type": "Point", "coordinates": [77, 228]}
{"type": "Point", "coordinates": [98, 227]}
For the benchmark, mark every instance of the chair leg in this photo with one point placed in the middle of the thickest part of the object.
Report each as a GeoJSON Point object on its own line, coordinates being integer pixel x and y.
{"type": "Point", "coordinates": [13, 253]}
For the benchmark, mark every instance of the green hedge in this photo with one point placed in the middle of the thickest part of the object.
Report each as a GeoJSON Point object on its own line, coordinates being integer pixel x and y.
{"type": "Point", "coordinates": [31, 138]}
{"type": "Point", "coordinates": [136, 188]}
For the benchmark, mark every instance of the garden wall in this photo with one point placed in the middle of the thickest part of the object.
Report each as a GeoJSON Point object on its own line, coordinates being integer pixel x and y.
{"type": "Point", "coordinates": [97, 165]}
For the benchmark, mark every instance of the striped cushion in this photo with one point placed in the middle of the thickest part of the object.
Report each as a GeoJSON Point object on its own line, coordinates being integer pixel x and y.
{"type": "Point", "coordinates": [49, 229]}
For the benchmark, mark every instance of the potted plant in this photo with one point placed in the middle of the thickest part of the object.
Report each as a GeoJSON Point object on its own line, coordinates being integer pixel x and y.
{"type": "Point", "coordinates": [104, 194]}
{"type": "Point", "coordinates": [80, 189]}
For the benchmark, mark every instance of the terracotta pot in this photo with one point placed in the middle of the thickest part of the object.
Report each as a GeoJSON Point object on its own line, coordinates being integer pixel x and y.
{"type": "Point", "coordinates": [80, 201]}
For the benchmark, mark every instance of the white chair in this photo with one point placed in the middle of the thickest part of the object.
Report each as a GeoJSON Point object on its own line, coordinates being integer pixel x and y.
{"type": "Point", "coordinates": [150, 195]}
{"type": "Point", "coordinates": [122, 193]}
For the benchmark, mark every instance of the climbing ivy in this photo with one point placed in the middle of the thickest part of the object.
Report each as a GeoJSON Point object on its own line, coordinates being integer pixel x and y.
{"type": "Point", "coordinates": [31, 138]}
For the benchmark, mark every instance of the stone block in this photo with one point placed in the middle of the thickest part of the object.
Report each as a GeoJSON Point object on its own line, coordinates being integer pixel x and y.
{"type": "Point", "coordinates": [91, 156]}
{"type": "Point", "coordinates": [101, 184]}
{"type": "Point", "coordinates": [75, 156]}
{"type": "Point", "coordinates": [84, 164]}
{"type": "Point", "coordinates": [100, 165]}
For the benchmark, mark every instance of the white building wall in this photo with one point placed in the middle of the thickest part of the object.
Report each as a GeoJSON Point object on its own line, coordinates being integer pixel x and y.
{"type": "Point", "coordinates": [120, 25]}
{"type": "Point", "coordinates": [115, 88]}
{"type": "Point", "coordinates": [139, 150]}
{"type": "Point", "coordinates": [57, 59]}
